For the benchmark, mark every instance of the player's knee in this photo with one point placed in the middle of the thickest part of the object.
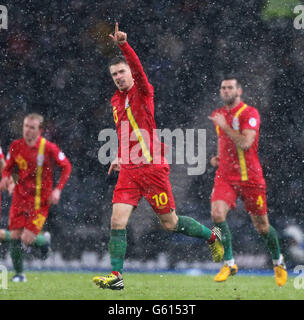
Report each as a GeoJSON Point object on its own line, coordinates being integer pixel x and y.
{"type": "Point", "coordinates": [218, 215]}
{"type": "Point", "coordinates": [169, 226]}
{"type": "Point", "coordinates": [262, 228]}
{"type": "Point", "coordinates": [16, 234]}
{"type": "Point", "coordinates": [117, 223]}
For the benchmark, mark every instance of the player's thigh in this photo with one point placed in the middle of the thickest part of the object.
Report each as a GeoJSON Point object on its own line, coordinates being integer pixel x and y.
{"type": "Point", "coordinates": [255, 200]}
{"type": "Point", "coordinates": [223, 198]}
{"type": "Point", "coordinates": [120, 215]}
{"type": "Point", "coordinates": [157, 190]}
{"type": "Point", "coordinates": [127, 190]}
{"type": "Point", "coordinates": [169, 220]}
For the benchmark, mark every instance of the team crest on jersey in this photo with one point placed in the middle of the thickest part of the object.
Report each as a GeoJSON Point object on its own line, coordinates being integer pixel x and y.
{"type": "Point", "coordinates": [252, 122]}
{"type": "Point", "coordinates": [61, 156]}
{"type": "Point", "coordinates": [235, 124]}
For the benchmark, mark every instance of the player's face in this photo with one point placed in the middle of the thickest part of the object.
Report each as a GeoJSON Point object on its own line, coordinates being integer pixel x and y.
{"type": "Point", "coordinates": [31, 130]}
{"type": "Point", "coordinates": [122, 76]}
{"type": "Point", "coordinates": [230, 91]}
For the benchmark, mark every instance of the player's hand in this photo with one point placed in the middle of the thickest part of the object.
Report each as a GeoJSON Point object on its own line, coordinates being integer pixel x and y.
{"type": "Point", "coordinates": [115, 165]}
{"type": "Point", "coordinates": [4, 184]}
{"type": "Point", "coordinates": [220, 120]}
{"type": "Point", "coordinates": [119, 37]}
{"type": "Point", "coordinates": [214, 161]}
{"type": "Point", "coordinates": [11, 185]}
{"type": "Point", "coordinates": [55, 196]}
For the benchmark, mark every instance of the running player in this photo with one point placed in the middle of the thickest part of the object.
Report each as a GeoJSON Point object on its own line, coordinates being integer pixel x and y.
{"type": "Point", "coordinates": [34, 157]}
{"type": "Point", "coordinates": [141, 174]}
{"type": "Point", "coordinates": [239, 174]}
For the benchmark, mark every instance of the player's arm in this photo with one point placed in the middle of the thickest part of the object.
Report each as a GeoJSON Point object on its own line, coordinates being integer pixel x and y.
{"type": "Point", "coordinates": [2, 161]}
{"type": "Point", "coordinates": [120, 38]}
{"type": "Point", "coordinates": [66, 168]}
{"type": "Point", "coordinates": [215, 160]}
{"type": "Point", "coordinates": [2, 164]}
{"type": "Point", "coordinates": [7, 171]}
{"type": "Point", "coordinates": [243, 140]}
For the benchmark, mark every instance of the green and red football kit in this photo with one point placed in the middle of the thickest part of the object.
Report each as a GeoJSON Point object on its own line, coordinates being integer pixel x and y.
{"type": "Point", "coordinates": [30, 202]}
{"type": "Point", "coordinates": [239, 173]}
{"type": "Point", "coordinates": [144, 169]}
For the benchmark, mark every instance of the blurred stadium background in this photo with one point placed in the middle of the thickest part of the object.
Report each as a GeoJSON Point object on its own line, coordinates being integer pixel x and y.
{"type": "Point", "coordinates": [53, 60]}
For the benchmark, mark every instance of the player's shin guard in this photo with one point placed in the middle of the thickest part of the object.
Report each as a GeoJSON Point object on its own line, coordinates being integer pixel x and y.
{"type": "Point", "coordinates": [272, 243]}
{"type": "Point", "coordinates": [16, 252]}
{"type": "Point", "coordinates": [117, 249]}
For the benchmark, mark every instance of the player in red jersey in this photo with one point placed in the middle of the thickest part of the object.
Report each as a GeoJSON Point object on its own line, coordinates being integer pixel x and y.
{"type": "Point", "coordinates": [34, 157]}
{"type": "Point", "coordinates": [240, 174]}
{"type": "Point", "coordinates": [142, 173]}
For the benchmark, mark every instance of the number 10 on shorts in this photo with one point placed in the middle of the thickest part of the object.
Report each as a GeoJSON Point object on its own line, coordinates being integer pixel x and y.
{"type": "Point", "coordinates": [160, 199]}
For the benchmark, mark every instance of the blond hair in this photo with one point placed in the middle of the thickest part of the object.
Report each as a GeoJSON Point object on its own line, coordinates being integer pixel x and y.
{"type": "Point", "coordinates": [36, 116]}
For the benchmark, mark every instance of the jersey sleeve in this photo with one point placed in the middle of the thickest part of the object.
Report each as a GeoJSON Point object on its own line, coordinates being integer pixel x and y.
{"type": "Point", "coordinates": [250, 120]}
{"type": "Point", "coordinates": [63, 163]}
{"type": "Point", "coordinates": [10, 162]}
{"type": "Point", "coordinates": [1, 154]}
{"type": "Point", "coordinates": [138, 73]}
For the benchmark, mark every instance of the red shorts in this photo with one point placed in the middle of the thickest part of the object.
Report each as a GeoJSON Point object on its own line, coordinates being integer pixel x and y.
{"type": "Point", "coordinates": [27, 217]}
{"type": "Point", "coordinates": [151, 182]}
{"type": "Point", "coordinates": [254, 197]}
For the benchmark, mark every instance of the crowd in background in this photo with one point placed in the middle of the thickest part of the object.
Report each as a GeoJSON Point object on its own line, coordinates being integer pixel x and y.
{"type": "Point", "coordinates": [53, 60]}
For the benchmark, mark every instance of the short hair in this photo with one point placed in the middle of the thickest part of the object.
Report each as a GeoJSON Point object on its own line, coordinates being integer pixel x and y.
{"type": "Point", "coordinates": [117, 60]}
{"type": "Point", "coordinates": [36, 116]}
{"type": "Point", "coordinates": [232, 77]}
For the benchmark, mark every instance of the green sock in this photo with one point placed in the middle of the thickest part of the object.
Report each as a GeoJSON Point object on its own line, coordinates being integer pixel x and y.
{"type": "Point", "coordinates": [16, 251]}
{"type": "Point", "coordinates": [117, 249]}
{"type": "Point", "coordinates": [272, 243]}
{"type": "Point", "coordinates": [39, 241]}
{"type": "Point", "coordinates": [192, 228]}
{"type": "Point", "coordinates": [226, 239]}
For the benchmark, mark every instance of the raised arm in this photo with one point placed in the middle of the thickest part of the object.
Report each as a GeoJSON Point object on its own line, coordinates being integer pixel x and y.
{"type": "Point", "coordinates": [120, 39]}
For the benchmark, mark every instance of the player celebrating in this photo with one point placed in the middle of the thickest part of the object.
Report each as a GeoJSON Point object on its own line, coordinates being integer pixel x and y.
{"type": "Point", "coordinates": [133, 108]}
{"type": "Point", "coordinates": [239, 174]}
{"type": "Point", "coordinates": [34, 157]}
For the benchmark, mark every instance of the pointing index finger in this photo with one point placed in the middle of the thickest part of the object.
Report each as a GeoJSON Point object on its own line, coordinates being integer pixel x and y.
{"type": "Point", "coordinates": [116, 28]}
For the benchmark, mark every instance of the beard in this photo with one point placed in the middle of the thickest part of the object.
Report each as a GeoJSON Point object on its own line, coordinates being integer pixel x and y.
{"type": "Point", "coordinates": [229, 100]}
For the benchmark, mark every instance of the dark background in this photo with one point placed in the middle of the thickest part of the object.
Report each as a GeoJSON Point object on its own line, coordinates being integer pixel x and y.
{"type": "Point", "coordinates": [53, 60]}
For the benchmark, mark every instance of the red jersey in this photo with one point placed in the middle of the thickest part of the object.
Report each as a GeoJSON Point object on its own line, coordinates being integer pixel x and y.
{"type": "Point", "coordinates": [235, 164]}
{"type": "Point", "coordinates": [1, 154]}
{"type": "Point", "coordinates": [1, 157]}
{"type": "Point", "coordinates": [35, 170]}
{"type": "Point", "coordinates": [133, 113]}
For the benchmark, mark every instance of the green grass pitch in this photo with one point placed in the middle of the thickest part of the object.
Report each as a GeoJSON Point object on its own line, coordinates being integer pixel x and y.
{"type": "Point", "coordinates": [79, 286]}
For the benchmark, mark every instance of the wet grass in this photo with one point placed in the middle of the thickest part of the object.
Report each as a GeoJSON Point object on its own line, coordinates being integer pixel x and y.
{"type": "Point", "coordinates": [79, 286]}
